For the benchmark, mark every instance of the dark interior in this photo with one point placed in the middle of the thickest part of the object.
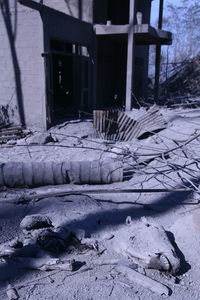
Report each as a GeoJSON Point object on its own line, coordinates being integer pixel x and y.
{"type": "Point", "coordinates": [61, 79]}
{"type": "Point", "coordinates": [62, 84]}
{"type": "Point", "coordinates": [117, 11]}
{"type": "Point", "coordinates": [68, 80]}
{"type": "Point", "coordinates": [111, 71]}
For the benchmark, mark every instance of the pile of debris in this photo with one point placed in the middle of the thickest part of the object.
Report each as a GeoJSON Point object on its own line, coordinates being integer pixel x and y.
{"type": "Point", "coordinates": [117, 125]}
{"type": "Point", "coordinates": [145, 245]}
{"type": "Point", "coordinates": [184, 81]}
{"type": "Point", "coordinates": [65, 231]}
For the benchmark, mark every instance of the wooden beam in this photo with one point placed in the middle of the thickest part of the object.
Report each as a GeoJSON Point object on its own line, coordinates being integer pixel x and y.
{"type": "Point", "coordinates": [130, 57]}
{"type": "Point", "coordinates": [64, 191]}
{"type": "Point", "coordinates": [158, 56]}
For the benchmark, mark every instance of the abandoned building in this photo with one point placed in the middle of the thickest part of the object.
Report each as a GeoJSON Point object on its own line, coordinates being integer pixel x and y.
{"type": "Point", "coordinates": [64, 56]}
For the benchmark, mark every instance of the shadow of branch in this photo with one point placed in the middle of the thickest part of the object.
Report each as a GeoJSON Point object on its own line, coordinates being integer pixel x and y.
{"type": "Point", "coordinates": [6, 14]}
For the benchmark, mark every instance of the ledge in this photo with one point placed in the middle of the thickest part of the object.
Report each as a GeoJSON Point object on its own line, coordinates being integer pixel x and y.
{"type": "Point", "coordinates": [144, 33]}
{"type": "Point", "coordinates": [101, 29]}
{"type": "Point", "coordinates": [148, 35]}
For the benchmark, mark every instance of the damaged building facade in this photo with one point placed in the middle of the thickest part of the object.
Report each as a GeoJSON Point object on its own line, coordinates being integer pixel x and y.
{"type": "Point", "coordinates": [64, 56]}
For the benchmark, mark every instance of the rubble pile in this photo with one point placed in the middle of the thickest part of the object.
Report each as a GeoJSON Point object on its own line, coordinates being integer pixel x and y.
{"type": "Point", "coordinates": [117, 220]}
{"type": "Point", "coordinates": [40, 248]}
{"type": "Point", "coordinates": [184, 81]}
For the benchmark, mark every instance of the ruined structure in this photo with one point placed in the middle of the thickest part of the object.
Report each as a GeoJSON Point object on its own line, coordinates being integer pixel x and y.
{"type": "Point", "coordinates": [61, 56]}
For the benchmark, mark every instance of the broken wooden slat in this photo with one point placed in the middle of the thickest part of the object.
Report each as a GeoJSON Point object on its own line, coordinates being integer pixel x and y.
{"type": "Point", "coordinates": [143, 280]}
{"type": "Point", "coordinates": [45, 264]}
{"type": "Point", "coordinates": [129, 130]}
{"type": "Point", "coordinates": [117, 125]}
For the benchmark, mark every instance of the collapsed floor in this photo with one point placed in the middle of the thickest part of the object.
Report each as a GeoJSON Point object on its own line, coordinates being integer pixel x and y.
{"type": "Point", "coordinates": [167, 161]}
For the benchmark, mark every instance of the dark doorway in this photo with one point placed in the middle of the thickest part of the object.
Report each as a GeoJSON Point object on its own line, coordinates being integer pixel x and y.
{"type": "Point", "coordinates": [68, 70]}
{"type": "Point", "coordinates": [62, 86]}
{"type": "Point", "coordinates": [111, 71]}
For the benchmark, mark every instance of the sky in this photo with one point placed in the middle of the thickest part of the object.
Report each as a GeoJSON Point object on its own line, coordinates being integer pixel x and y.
{"type": "Point", "coordinates": [155, 8]}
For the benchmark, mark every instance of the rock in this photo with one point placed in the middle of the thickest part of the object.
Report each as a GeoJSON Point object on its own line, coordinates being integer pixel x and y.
{"type": "Point", "coordinates": [16, 243]}
{"type": "Point", "coordinates": [51, 241]}
{"type": "Point", "coordinates": [11, 142]}
{"type": "Point", "coordinates": [12, 293]}
{"type": "Point", "coordinates": [79, 234]}
{"type": "Point", "coordinates": [35, 222]}
{"type": "Point", "coordinates": [37, 139]}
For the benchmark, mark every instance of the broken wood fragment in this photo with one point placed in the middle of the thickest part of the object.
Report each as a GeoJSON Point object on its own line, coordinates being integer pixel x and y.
{"type": "Point", "coordinates": [45, 264]}
{"type": "Point", "coordinates": [65, 192]}
{"type": "Point", "coordinates": [12, 292]}
{"type": "Point", "coordinates": [143, 280]}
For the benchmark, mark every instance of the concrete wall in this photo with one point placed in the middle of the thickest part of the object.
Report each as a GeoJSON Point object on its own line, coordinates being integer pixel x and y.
{"type": "Point", "coordinates": [141, 61]}
{"type": "Point", "coordinates": [141, 70]}
{"type": "Point", "coordinates": [58, 26]}
{"type": "Point", "coordinates": [22, 41]}
{"type": "Point", "coordinates": [22, 72]}
{"type": "Point", "coordinates": [81, 9]}
{"type": "Point", "coordinates": [22, 79]}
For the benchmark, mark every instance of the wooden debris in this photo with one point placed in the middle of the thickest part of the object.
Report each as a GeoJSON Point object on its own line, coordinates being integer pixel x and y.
{"type": "Point", "coordinates": [143, 280]}
{"type": "Point", "coordinates": [117, 125]}
{"type": "Point", "coordinates": [10, 132]}
{"type": "Point", "coordinates": [12, 292]}
{"type": "Point", "coordinates": [64, 192]}
{"type": "Point", "coordinates": [45, 264]}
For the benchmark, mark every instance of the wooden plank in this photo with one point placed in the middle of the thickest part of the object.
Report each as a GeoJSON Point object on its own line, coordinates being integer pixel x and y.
{"type": "Point", "coordinates": [8, 138]}
{"type": "Point", "coordinates": [94, 119]}
{"type": "Point", "coordinates": [130, 130]}
{"type": "Point", "coordinates": [59, 192]}
{"type": "Point", "coordinates": [122, 126]}
{"type": "Point", "coordinates": [127, 124]}
{"type": "Point", "coordinates": [11, 128]}
{"type": "Point", "coordinates": [136, 130]}
{"type": "Point", "coordinates": [120, 116]}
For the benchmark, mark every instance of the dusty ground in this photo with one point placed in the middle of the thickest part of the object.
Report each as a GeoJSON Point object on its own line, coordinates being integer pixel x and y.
{"type": "Point", "coordinates": [98, 214]}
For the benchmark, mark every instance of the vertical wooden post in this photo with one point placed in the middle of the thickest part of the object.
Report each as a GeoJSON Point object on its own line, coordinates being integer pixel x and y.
{"type": "Point", "coordinates": [158, 56]}
{"type": "Point", "coordinates": [130, 56]}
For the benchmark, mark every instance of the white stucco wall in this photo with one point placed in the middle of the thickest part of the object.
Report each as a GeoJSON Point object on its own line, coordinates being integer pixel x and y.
{"type": "Point", "coordinates": [71, 7]}
{"type": "Point", "coordinates": [28, 47]}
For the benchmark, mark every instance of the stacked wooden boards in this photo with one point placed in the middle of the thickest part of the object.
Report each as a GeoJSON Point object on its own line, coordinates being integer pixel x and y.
{"type": "Point", "coordinates": [10, 132]}
{"type": "Point", "coordinates": [118, 125]}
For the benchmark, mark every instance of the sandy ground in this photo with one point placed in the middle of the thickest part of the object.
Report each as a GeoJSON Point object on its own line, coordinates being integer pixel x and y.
{"type": "Point", "coordinates": [98, 214]}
